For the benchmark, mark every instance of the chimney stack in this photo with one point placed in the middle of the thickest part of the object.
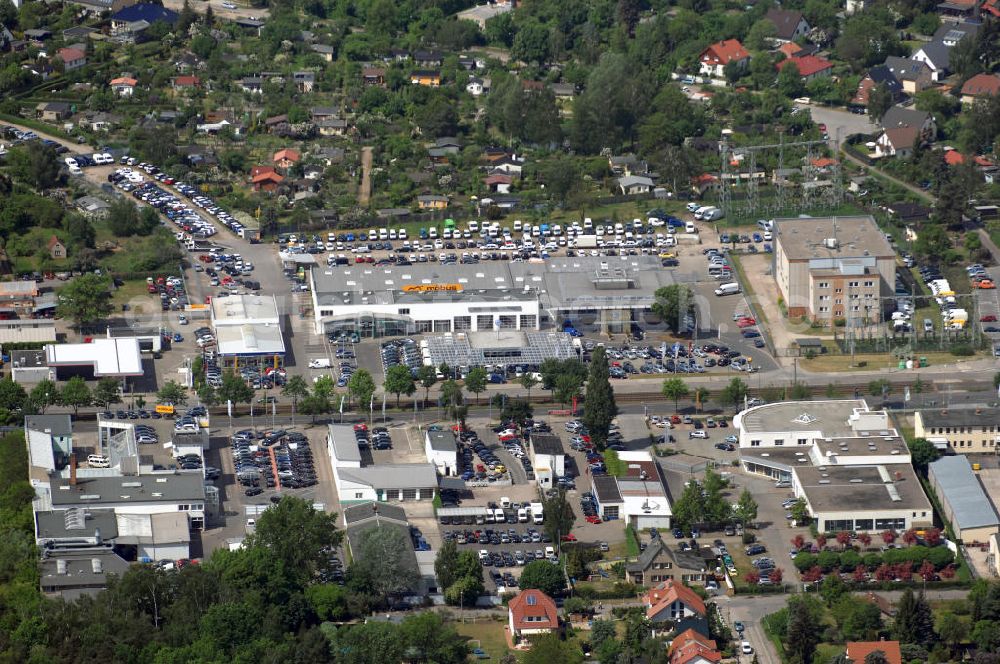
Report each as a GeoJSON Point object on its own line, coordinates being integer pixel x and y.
{"type": "Point", "coordinates": [72, 470]}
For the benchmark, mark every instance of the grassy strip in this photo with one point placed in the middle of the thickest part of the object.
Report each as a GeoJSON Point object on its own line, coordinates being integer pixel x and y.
{"type": "Point", "coordinates": [41, 127]}
{"type": "Point", "coordinates": [631, 543]}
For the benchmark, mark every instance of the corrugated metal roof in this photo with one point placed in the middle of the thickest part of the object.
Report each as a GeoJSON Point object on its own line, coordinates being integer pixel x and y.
{"type": "Point", "coordinates": [970, 505]}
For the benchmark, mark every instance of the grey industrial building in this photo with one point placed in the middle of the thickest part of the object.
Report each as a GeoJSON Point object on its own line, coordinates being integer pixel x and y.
{"type": "Point", "coordinates": [965, 503]}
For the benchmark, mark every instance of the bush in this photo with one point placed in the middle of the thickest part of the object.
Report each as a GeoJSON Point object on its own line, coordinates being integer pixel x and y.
{"type": "Point", "coordinates": [804, 561]}
{"type": "Point", "coordinates": [962, 350]}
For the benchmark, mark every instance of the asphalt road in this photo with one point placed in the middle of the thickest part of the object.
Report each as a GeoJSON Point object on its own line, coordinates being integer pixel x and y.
{"type": "Point", "coordinates": [243, 10]}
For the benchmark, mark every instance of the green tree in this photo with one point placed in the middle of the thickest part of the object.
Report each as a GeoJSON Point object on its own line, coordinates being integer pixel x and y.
{"type": "Point", "coordinates": [234, 389]}
{"type": "Point", "coordinates": [451, 394]}
{"type": "Point", "coordinates": [674, 388]}
{"type": "Point", "coordinates": [613, 464]}
{"type": "Point", "coordinates": [172, 393]}
{"type": "Point", "coordinates": [952, 629]}
{"type": "Point", "coordinates": [531, 43]}
{"type": "Point", "coordinates": [380, 563]}
{"type": "Point", "coordinates": [528, 381]}
{"type": "Point", "coordinates": [964, 58]}
{"type": "Point", "coordinates": [923, 452]}
{"type": "Point", "coordinates": [465, 591]}
{"type": "Point", "coordinates": [986, 635]}
{"type": "Point", "coordinates": [208, 396]}
{"type": "Point", "coordinates": [789, 82]}
{"type": "Point", "coordinates": [803, 633]}
{"type": "Point", "coordinates": [745, 509]}
{"type": "Point", "coordinates": [599, 406]}
{"type": "Point", "coordinates": [361, 387]}
{"type": "Point", "coordinates": [914, 622]}
{"type": "Point", "coordinates": [398, 381]}
{"type": "Point", "coordinates": [673, 304]}
{"type": "Point", "coordinates": [549, 648]}
{"type": "Point", "coordinates": [75, 394]}
{"type": "Point", "coordinates": [43, 395]}
{"type": "Point", "coordinates": [475, 381]}
{"type": "Point", "coordinates": [880, 388]}
{"type": "Point", "coordinates": [518, 411]}
{"type": "Point", "coordinates": [734, 393]}
{"type": "Point", "coordinates": [879, 101]}
{"type": "Point", "coordinates": [690, 509]}
{"type": "Point", "coordinates": [800, 512]}
{"type": "Point", "coordinates": [107, 392]}
{"type": "Point", "coordinates": [85, 300]}
{"type": "Point", "coordinates": [544, 576]}
{"type": "Point", "coordinates": [760, 35]}
{"type": "Point", "coordinates": [12, 395]}
{"type": "Point", "coordinates": [296, 389]}
{"type": "Point", "coordinates": [446, 563]}
{"type": "Point", "coordinates": [329, 601]}
{"type": "Point", "coordinates": [427, 375]}
{"type": "Point", "coordinates": [315, 403]}
{"type": "Point", "coordinates": [558, 516]}
{"type": "Point", "coordinates": [297, 535]}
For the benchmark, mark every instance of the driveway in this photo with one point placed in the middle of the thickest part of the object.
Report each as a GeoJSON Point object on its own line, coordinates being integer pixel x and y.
{"type": "Point", "coordinates": [840, 124]}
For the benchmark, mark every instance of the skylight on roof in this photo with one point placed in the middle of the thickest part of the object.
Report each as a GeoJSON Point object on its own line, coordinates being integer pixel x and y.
{"type": "Point", "coordinates": [804, 418]}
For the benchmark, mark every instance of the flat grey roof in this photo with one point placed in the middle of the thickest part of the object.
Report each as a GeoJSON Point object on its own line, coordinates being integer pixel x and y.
{"type": "Point", "coordinates": [75, 522]}
{"type": "Point", "coordinates": [782, 458]}
{"type": "Point", "coordinates": [606, 488]}
{"type": "Point", "coordinates": [80, 570]}
{"type": "Point", "coordinates": [58, 424]}
{"type": "Point", "coordinates": [862, 488]}
{"type": "Point", "coordinates": [356, 514]}
{"type": "Point", "coordinates": [583, 281]}
{"type": "Point", "coordinates": [864, 446]}
{"type": "Point", "coordinates": [394, 476]}
{"type": "Point", "coordinates": [345, 445]}
{"type": "Point", "coordinates": [546, 443]}
{"type": "Point", "coordinates": [505, 346]}
{"type": "Point", "coordinates": [442, 440]}
{"type": "Point", "coordinates": [952, 417]}
{"type": "Point", "coordinates": [830, 417]}
{"type": "Point", "coordinates": [129, 489]}
{"type": "Point", "coordinates": [970, 506]}
{"type": "Point", "coordinates": [802, 239]}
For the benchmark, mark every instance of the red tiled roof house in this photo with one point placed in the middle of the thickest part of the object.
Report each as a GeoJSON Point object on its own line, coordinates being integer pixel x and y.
{"type": "Point", "coordinates": [810, 66]}
{"type": "Point", "coordinates": [858, 650]}
{"type": "Point", "coordinates": [678, 606]}
{"type": "Point", "coordinates": [73, 58]}
{"type": "Point", "coordinates": [532, 612]}
{"type": "Point", "coordinates": [690, 647]}
{"type": "Point", "coordinates": [286, 158]}
{"type": "Point", "coordinates": [715, 58]}
{"type": "Point", "coordinates": [979, 86]}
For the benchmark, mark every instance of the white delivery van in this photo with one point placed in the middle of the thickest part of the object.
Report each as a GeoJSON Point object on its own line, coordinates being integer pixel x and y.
{"type": "Point", "coordinates": [713, 215]}
{"type": "Point", "coordinates": [505, 502]}
{"type": "Point", "coordinates": [98, 461]}
{"type": "Point", "coordinates": [537, 513]}
{"type": "Point", "coordinates": [319, 363]}
{"type": "Point", "coordinates": [499, 516]}
{"type": "Point", "coordinates": [731, 288]}
{"type": "Point", "coordinates": [522, 515]}
{"type": "Point", "coordinates": [689, 227]}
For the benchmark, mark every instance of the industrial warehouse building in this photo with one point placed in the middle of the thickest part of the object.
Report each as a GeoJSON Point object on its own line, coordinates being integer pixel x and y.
{"type": "Point", "coordinates": [964, 501]}
{"type": "Point", "coordinates": [848, 463]}
{"type": "Point", "coordinates": [963, 430]}
{"type": "Point", "coordinates": [358, 483]}
{"type": "Point", "coordinates": [431, 297]}
{"type": "Point", "coordinates": [833, 268]}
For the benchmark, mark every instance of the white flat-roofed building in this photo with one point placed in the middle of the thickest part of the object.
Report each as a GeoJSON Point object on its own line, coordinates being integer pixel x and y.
{"type": "Point", "coordinates": [357, 483]}
{"type": "Point", "coordinates": [101, 358]}
{"type": "Point", "coordinates": [248, 330]}
{"type": "Point", "coordinates": [430, 297]}
{"type": "Point", "coordinates": [245, 310]}
{"type": "Point", "coordinates": [547, 458]}
{"type": "Point", "coordinates": [870, 498]}
{"type": "Point", "coordinates": [639, 496]}
{"type": "Point", "coordinates": [442, 451]}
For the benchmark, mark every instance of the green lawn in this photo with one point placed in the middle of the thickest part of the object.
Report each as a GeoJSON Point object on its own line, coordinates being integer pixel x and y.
{"type": "Point", "coordinates": [489, 634]}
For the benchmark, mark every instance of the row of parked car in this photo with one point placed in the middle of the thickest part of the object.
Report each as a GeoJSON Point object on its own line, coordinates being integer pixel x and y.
{"type": "Point", "coordinates": [490, 467]}
{"type": "Point", "coordinates": [182, 215]}
{"type": "Point", "coordinates": [378, 438]}
{"type": "Point", "coordinates": [293, 459]}
{"type": "Point", "coordinates": [401, 351]}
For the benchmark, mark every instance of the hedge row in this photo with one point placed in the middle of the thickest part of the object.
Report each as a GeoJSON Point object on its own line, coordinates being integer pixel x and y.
{"type": "Point", "coordinates": [847, 561]}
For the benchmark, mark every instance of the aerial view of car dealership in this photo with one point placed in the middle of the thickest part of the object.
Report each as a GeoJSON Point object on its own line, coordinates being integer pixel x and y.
{"type": "Point", "coordinates": [533, 332]}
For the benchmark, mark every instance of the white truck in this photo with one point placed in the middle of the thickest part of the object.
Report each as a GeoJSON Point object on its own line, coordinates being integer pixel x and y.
{"type": "Point", "coordinates": [319, 363]}
{"type": "Point", "coordinates": [537, 513]}
{"type": "Point", "coordinates": [731, 288]}
{"type": "Point", "coordinates": [586, 241]}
